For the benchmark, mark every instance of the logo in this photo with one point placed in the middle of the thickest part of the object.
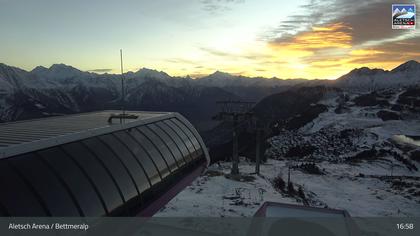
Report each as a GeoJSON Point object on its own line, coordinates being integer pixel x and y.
{"type": "Point", "coordinates": [403, 16]}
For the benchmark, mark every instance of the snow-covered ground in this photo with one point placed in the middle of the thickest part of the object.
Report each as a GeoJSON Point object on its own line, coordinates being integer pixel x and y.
{"type": "Point", "coordinates": [384, 184]}
{"type": "Point", "coordinates": [215, 195]}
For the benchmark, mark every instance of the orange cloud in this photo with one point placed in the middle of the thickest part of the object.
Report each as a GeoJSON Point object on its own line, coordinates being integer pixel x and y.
{"type": "Point", "coordinates": [336, 35]}
{"type": "Point", "coordinates": [364, 52]}
{"type": "Point", "coordinates": [309, 53]}
{"type": "Point", "coordinates": [323, 52]}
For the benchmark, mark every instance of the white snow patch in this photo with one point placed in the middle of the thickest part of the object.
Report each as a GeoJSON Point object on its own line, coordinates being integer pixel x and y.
{"type": "Point", "coordinates": [340, 188]}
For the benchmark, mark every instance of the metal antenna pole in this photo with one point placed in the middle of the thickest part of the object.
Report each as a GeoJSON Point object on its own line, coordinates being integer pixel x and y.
{"type": "Point", "coordinates": [122, 85]}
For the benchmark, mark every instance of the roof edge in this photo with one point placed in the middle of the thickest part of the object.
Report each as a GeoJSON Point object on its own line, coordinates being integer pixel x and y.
{"type": "Point", "coordinates": [68, 138]}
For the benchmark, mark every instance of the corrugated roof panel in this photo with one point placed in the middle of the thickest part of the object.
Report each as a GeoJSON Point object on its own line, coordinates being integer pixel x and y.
{"type": "Point", "coordinates": [83, 165]}
{"type": "Point", "coordinates": [17, 137]}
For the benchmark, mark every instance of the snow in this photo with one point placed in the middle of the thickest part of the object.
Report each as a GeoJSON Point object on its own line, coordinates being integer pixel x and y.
{"type": "Point", "coordinates": [405, 139]}
{"type": "Point", "coordinates": [341, 188]}
{"type": "Point", "coordinates": [366, 79]}
{"type": "Point", "coordinates": [380, 186]}
{"type": "Point", "coordinates": [219, 196]}
{"type": "Point", "coordinates": [223, 80]}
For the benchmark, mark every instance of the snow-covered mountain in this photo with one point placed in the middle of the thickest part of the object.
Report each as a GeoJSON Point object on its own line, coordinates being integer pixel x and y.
{"type": "Point", "coordinates": [148, 73]}
{"type": "Point", "coordinates": [13, 78]}
{"type": "Point", "coordinates": [371, 79]}
{"type": "Point", "coordinates": [59, 72]}
{"type": "Point", "coordinates": [223, 80]}
{"type": "Point", "coordinates": [65, 89]}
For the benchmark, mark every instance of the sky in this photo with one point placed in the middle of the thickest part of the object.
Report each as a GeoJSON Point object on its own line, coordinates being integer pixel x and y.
{"type": "Point", "coordinates": [310, 39]}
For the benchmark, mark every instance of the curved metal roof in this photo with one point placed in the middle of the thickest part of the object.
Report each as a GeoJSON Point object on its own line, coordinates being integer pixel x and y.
{"type": "Point", "coordinates": [93, 168]}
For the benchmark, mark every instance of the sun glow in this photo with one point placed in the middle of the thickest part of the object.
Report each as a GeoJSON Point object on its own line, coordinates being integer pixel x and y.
{"type": "Point", "coordinates": [323, 52]}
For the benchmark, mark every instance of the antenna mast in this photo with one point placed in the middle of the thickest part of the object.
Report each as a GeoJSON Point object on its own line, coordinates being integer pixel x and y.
{"type": "Point", "coordinates": [122, 85]}
{"type": "Point", "coordinates": [122, 116]}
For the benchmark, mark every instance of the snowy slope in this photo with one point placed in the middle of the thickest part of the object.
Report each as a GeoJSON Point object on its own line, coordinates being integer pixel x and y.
{"type": "Point", "coordinates": [360, 165]}
{"type": "Point", "coordinates": [214, 194]}
{"type": "Point", "coordinates": [372, 79]}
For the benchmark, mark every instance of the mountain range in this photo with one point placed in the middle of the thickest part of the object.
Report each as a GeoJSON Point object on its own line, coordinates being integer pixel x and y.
{"type": "Point", "coordinates": [63, 89]}
{"type": "Point", "coordinates": [371, 79]}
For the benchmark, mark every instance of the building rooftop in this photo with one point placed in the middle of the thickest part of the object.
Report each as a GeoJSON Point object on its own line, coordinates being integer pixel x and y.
{"type": "Point", "coordinates": [304, 220]}
{"type": "Point", "coordinates": [25, 136]}
{"type": "Point", "coordinates": [276, 209]}
{"type": "Point", "coordinates": [89, 165]}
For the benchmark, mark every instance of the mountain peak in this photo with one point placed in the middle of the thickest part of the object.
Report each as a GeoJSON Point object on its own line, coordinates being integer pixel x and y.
{"type": "Point", "coordinates": [372, 79]}
{"type": "Point", "coordinates": [144, 69]}
{"type": "Point", "coordinates": [150, 73]}
{"type": "Point", "coordinates": [409, 65]}
{"type": "Point", "coordinates": [39, 69]}
{"type": "Point", "coordinates": [365, 71]}
{"type": "Point", "coordinates": [221, 74]}
{"type": "Point", "coordinates": [57, 71]}
{"type": "Point", "coordinates": [359, 75]}
{"type": "Point", "coordinates": [61, 66]}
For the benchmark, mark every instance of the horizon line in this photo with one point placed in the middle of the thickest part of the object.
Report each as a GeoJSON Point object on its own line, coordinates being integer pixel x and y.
{"type": "Point", "coordinates": [97, 72]}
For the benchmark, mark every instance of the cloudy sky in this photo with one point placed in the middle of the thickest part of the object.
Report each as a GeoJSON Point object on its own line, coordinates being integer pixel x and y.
{"type": "Point", "coordinates": [287, 39]}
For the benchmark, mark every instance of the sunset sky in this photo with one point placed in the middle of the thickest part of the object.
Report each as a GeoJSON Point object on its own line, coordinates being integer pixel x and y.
{"type": "Point", "coordinates": [285, 39]}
